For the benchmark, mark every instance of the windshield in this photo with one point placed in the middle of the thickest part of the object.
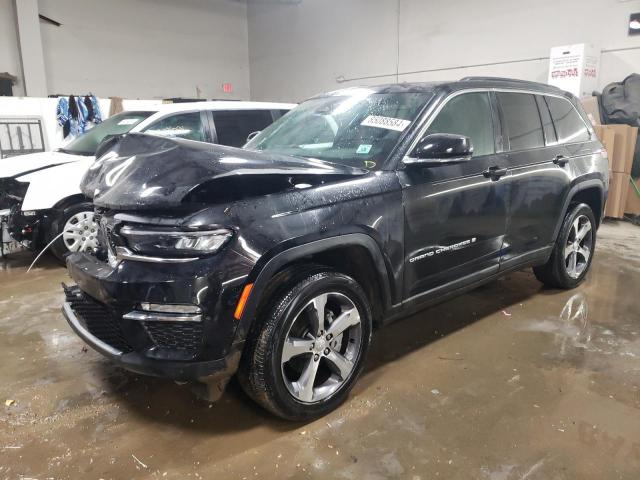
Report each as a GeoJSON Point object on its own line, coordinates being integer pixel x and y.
{"type": "Point", "coordinates": [359, 128]}
{"type": "Point", "coordinates": [116, 125]}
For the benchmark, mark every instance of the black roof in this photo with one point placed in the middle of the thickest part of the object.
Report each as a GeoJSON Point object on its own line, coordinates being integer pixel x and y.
{"type": "Point", "coordinates": [464, 83]}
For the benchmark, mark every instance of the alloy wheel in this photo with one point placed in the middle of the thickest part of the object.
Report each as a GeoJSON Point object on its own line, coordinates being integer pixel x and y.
{"type": "Point", "coordinates": [322, 347]}
{"type": "Point", "coordinates": [80, 233]}
{"type": "Point", "coordinates": [577, 250]}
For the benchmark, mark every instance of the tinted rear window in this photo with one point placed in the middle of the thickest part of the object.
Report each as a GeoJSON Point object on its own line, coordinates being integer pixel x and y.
{"type": "Point", "coordinates": [522, 125]}
{"type": "Point", "coordinates": [569, 125]}
{"type": "Point", "coordinates": [234, 126]}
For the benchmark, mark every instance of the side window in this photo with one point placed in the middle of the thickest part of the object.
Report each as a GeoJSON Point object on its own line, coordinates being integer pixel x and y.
{"type": "Point", "coordinates": [468, 114]}
{"type": "Point", "coordinates": [569, 125]}
{"type": "Point", "coordinates": [234, 126]}
{"type": "Point", "coordinates": [521, 120]}
{"type": "Point", "coordinates": [181, 125]}
{"type": "Point", "coordinates": [547, 124]}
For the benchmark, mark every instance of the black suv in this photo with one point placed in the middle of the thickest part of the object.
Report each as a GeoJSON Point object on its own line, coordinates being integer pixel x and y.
{"type": "Point", "coordinates": [356, 208]}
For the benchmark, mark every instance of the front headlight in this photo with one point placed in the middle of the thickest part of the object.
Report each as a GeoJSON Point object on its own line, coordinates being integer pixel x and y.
{"type": "Point", "coordinates": [162, 241]}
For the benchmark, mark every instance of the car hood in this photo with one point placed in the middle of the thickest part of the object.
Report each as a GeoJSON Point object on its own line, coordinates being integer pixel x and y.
{"type": "Point", "coordinates": [145, 172]}
{"type": "Point", "coordinates": [23, 164]}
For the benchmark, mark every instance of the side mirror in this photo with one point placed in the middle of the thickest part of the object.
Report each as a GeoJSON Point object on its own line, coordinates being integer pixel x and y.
{"type": "Point", "coordinates": [441, 149]}
{"type": "Point", "coordinates": [252, 135]}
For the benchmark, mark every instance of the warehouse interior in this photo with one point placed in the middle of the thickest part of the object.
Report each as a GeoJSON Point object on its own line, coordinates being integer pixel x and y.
{"type": "Point", "coordinates": [510, 380]}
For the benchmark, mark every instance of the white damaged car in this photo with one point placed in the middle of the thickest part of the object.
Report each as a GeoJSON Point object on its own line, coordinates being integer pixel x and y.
{"type": "Point", "coordinates": [40, 197]}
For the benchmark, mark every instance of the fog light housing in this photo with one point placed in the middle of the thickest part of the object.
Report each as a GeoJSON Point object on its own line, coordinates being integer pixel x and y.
{"type": "Point", "coordinates": [170, 308]}
{"type": "Point", "coordinates": [165, 312]}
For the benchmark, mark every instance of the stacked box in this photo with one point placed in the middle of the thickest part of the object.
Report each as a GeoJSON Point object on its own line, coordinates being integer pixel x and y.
{"type": "Point", "coordinates": [620, 142]}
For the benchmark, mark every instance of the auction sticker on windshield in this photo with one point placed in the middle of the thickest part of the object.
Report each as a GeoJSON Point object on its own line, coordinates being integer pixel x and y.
{"type": "Point", "coordinates": [390, 123]}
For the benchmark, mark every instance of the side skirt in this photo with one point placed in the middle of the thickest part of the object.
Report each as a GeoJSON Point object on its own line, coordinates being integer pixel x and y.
{"type": "Point", "coordinates": [465, 284]}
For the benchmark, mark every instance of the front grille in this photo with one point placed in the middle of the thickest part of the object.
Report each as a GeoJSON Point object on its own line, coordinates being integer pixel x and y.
{"type": "Point", "coordinates": [182, 336]}
{"type": "Point", "coordinates": [97, 318]}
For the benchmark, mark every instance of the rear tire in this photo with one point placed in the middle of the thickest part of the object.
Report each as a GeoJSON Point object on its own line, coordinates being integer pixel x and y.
{"type": "Point", "coordinates": [80, 231]}
{"type": "Point", "coordinates": [573, 251]}
{"type": "Point", "coordinates": [300, 368]}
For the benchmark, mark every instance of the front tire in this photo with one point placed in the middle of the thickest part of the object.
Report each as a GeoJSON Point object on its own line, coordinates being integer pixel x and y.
{"type": "Point", "coordinates": [304, 357]}
{"type": "Point", "coordinates": [573, 251]}
{"type": "Point", "coordinates": [79, 230]}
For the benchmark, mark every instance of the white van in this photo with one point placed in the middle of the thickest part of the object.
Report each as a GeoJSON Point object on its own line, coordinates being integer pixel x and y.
{"type": "Point", "coordinates": [40, 196]}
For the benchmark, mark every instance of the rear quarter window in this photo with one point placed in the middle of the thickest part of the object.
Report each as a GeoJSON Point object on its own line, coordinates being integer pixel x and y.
{"type": "Point", "coordinates": [570, 127]}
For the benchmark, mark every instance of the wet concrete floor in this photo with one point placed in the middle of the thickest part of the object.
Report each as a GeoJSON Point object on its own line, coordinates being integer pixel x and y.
{"type": "Point", "coordinates": [511, 381]}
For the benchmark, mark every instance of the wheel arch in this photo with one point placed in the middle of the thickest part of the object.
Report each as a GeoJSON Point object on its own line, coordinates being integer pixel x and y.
{"type": "Point", "coordinates": [71, 200]}
{"type": "Point", "coordinates": [366, 259]}
{"type": "Point", "coordinates": [592, 193]}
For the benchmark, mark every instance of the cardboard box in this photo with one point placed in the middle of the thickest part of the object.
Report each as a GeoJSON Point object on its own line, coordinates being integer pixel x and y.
{"type": "Point", "coordinates": [633, 200]}
{"type": "Point", "coordinates": [620, 143]}
{"type": "Point", "coordinates": [575, 68]}
{"type": "Point", "coordinates": [625, 144]}
{"type": "Point", "coordinates": [618, 192]}
{"type": "Point", "coordinates": [590, 105]}
{"type": "Point", "coordinates": [607, 137]}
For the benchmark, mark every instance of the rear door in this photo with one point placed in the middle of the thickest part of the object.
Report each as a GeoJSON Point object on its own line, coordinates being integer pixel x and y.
{"type": "Point", "coordinates": [539, 175]}
{"type": "Point", "coordinates": [455, 215]}
{"type": "Point", "coordinates": [234, 126]}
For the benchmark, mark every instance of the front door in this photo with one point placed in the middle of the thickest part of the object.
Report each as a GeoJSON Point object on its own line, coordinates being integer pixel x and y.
{"type": "Point", "coordinates": [455, 215]}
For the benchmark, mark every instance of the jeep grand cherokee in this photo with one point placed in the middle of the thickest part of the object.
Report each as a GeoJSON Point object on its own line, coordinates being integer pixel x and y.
{"type": "Point", "coordinates": [356, 208]}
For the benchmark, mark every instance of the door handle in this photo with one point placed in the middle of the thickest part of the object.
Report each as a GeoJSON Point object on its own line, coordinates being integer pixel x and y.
{"type": "Point", "coordinates": [494, 173]}
{"type": "Point", "coordinates": [561, 160]}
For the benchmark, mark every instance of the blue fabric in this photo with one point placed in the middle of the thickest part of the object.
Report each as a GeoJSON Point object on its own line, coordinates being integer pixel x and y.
{"type": "Point", "coordinates": [96, 110]}
{"type": "Point", "coordinates": [62, 112]}
{"type": "Point", "coordinates": [83, 113]}
{"type": "Point", "coordinates": [76, 126]}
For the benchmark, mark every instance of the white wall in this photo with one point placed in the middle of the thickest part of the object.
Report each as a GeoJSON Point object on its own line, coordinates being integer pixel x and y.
{"type": "Point", "coordinates": [9, 56]}
{"type": "Point", "coordinates": [297, 50]}
{"type": "Point", "coordinates": [314, 41]}
{"type": "Point", "coordinates": [138, 48]}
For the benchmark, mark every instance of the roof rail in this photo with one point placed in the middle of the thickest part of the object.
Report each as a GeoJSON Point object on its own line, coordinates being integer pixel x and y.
{"type": "Point", "coordinates": [504, 79]}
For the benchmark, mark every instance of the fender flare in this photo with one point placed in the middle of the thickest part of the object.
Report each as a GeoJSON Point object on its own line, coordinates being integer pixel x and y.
{"type": "Point", "coordinates": [587, 184]}
{"type": "Point", "coordinates": [261, 275]}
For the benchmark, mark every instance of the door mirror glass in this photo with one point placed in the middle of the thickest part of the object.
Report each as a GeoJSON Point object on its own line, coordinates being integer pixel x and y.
{"type": "Point", "coordinates": [441, 149]}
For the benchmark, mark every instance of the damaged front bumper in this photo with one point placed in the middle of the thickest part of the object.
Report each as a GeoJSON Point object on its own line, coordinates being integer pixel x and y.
{"type": "Point", "coordinates": [109, 309]}
{"type": "Point", "coordinates": [28, 228]}
{"type": "Point", "coordinates": [7, 243]}
{"type": "Point", "coordinates": [120, 354]}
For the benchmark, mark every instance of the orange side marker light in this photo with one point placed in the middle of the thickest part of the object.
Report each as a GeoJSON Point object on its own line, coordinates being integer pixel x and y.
{"type": "Point", "coordinates": [244, 296]}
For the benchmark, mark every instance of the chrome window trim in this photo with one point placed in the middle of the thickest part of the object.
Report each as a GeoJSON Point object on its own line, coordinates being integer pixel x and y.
{"type": "Point", "coordinates": [435, 111]}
